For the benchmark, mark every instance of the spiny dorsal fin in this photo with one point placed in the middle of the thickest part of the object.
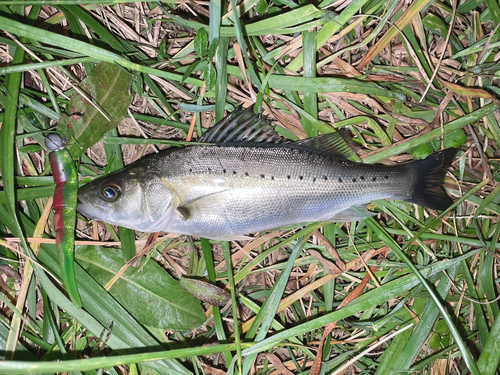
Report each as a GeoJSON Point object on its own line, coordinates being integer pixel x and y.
{"type": "Point", "coordinates": [242, 125]}
{"type": "Point", "coordinates": [331, 144]}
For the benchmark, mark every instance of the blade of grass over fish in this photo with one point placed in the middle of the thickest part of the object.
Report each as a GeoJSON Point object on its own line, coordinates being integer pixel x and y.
{"type": "Point", "coordinates": [372, 298]}
{"type": "Point", "coordinates": [267, 312]}
{"type": "Point", "coordinates": [406, 145]}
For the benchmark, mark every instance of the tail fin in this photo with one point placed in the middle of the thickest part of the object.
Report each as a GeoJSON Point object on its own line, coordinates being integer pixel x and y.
{"type": "Point", "coordinates": [428, 180]}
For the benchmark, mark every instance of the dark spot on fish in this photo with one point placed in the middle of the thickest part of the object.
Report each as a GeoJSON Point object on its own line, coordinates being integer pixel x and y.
{"type": "Point", "coordinates": [353, 180]}
{"type": "Point", "coordinates": [362, 177]}
{"type": "Point", "coordinates": [288, 176]}
{"type": "Point", "coordinates": [246, 173]}
{"type": "Point", "coordinates": [234, 172]}
{"type": "Point", "coordinates": [209, 169]}
{"type": "Point", "coordinates": [224, 170]}
{"type": "Point", "coordinates": [301, 177]}
{"type": "Point", "coordinates": [374, 179]}
{"type": "Point", "coordinates": [190, 169]}
{"type": "Point", "coordinates": [272, 177]}
{"type": "Point", "coordinates": [262, 176]}
{"type": "Point", "coordinates": [386, 177]}
{"type": "Point", "coordinates": [340, 180]}
{"type": "Point", "coordinates": [326, 178]}
{"type": "Point", "coordinates": [314, 179]}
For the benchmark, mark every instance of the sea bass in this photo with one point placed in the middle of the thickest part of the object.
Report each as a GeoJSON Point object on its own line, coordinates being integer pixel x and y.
{"type": "Point", "coordinates": [247, 179]}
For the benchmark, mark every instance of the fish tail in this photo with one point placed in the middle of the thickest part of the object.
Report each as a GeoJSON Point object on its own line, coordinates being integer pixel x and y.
{"type": "Point", "coordinates": [428, 178]}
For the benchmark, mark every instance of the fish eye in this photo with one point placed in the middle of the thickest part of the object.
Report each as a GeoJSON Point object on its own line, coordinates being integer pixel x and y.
{"type": "Point", "coordinates": [110, 191]}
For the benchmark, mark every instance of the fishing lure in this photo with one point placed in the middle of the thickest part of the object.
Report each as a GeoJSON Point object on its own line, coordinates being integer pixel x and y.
{"type": "Point", "coordinates": [65, 197]}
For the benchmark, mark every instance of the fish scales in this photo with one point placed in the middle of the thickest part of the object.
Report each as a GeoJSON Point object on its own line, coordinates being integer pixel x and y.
{"type": "Point", "coordinates": [313, 188]}
{"type": "Point", "coordinates": [231, 189]}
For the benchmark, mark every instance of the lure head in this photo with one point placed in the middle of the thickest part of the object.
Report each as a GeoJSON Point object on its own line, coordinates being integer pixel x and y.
{"type": "Point", "coordinates": [127, 198]}
{"type": "Point", "coordinates": [55, 142]}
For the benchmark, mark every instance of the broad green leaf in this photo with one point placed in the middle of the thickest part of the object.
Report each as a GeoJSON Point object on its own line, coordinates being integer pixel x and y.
{"type": "Point", "coordinates": [201, 42]}
{"type": "Point", "coordinates": [454, 139]}
{"type": "Point", "coordinates": [261, 6]}
{"type": "Point", "coordinates": [209, 74]}
{"type": "Point", "coordinates": [422, 151]}
{"type": "Point", "coordinates": [30, 148]}
{"type": "Point", "coordinates": [149, 293]}
{"type": "Point", "coordinates": [108, 87]}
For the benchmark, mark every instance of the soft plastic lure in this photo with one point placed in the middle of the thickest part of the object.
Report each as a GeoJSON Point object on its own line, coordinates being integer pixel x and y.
{"type": "Point", "coordinates": [65, 198]}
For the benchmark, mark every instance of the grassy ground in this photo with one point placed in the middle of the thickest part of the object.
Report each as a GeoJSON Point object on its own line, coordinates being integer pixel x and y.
{"type": "Point", "coordinates": [408, 291]}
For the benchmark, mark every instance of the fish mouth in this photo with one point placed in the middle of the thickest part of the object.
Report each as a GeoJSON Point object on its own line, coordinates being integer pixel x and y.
{"type": "Point", "coordinates": [84, 207]}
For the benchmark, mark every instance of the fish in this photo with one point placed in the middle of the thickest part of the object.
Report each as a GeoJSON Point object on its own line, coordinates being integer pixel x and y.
{"type": "Point", "coordinates": [243, 178]}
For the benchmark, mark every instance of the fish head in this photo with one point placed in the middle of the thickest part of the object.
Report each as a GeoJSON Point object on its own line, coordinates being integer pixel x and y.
{"type": "Point", "coordinates": [128, 198]}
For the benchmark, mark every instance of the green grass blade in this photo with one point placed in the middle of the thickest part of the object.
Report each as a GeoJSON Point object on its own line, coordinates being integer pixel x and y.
{"type": "Point", "coordinates": [310, 98]}
{"type": "Point", "coordinates": [372, 298]}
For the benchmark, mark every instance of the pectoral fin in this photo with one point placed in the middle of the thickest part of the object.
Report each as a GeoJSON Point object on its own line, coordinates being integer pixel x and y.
{"type": "Point", "coordinates": [353, 213]}
{"type": "Point", "coordinates": [184, 213]}
{"type": "Point", "coordinates": [187, 207]}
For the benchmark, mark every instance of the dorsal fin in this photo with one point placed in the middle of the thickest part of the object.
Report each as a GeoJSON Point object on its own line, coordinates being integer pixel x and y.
{"type": "Point", "coordinates": [331, 144]}
{"type": "Point", "coordinates": [242, 125]}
